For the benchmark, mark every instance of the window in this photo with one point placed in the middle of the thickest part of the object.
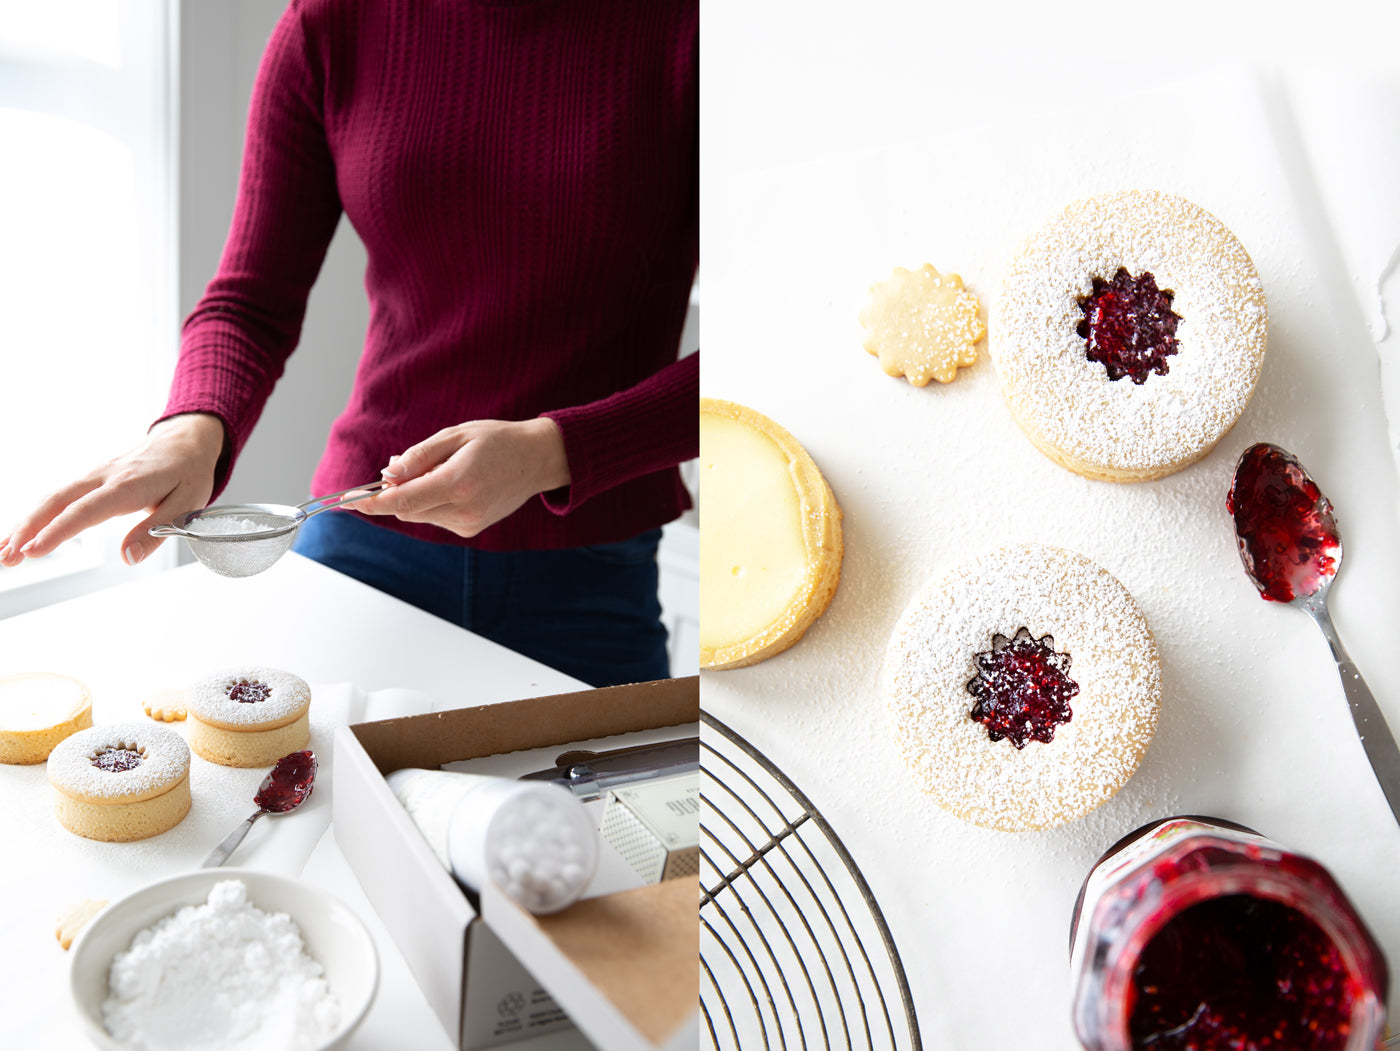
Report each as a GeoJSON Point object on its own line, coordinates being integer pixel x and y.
{"type": "Point", "coordinates": [88, 317]}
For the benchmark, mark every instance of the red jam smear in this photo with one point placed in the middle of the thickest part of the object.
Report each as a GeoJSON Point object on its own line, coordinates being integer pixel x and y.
{"type": "Point", "coordinates": [1129, 325]}
{"type": "Point", "coordinates": [117, 760]}
{"type": "Point", "coordinates": [1240, 973]}
{"type": "Point", "coordinates": [1287, 535]}
{"type": "Point", "coordinates": [289, 783]}
{"type": "Point", "coordinates": [1023, 688]}
{"type": "Point", "coordinates": [249, 692]}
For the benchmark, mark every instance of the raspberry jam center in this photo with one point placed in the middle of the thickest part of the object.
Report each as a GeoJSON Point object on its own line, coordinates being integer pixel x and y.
{"type": "Point", "coordinates": [1241, 972]}
{"type": "Point", "coordinates": [1023, 688]}
{"type": "Point", "coordinates": [1129, 326]}
{"type": "Point", "coordinates": [117, 760]}
{"type": "Point", "coordinates": [249, 692]}
{"type": "Point", "coordinates": [1288, 538]}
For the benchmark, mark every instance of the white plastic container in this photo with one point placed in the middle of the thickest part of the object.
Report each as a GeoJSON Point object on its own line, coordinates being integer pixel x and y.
{"type": "Point", "coordinates": [534, 840]}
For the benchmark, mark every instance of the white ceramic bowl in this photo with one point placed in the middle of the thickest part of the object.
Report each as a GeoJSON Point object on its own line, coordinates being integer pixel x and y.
{"type": "Point", "coordinates": [334, 937]}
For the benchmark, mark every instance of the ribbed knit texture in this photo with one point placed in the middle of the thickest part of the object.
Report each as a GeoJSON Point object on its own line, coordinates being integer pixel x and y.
{"type": "Point", "coordinates": [524, 179]}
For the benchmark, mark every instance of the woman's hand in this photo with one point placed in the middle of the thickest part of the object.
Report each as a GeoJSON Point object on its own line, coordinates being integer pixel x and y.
{"type": "Point", "coordinates": [168, 474]}
{"type": "Point", "coordinates": [468, 477]}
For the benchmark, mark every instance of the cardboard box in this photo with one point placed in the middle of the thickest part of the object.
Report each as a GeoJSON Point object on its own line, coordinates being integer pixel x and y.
{"type": "Point", "coordinates": [474, 983]}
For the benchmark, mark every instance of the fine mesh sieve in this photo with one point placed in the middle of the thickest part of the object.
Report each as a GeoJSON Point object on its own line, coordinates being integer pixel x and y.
{"type": "Point", "coordinates": [239, 540]}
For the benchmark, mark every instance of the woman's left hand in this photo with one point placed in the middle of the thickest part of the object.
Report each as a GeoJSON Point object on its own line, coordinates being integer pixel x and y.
{"type": "Point", "coordinates": [470, 476]}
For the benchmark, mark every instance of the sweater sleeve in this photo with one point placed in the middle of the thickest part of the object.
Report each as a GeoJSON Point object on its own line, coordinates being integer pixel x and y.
{"type": "Point", "coordinates": [235, 343]}
{"type": "Point", "coordinates": [648, 427]}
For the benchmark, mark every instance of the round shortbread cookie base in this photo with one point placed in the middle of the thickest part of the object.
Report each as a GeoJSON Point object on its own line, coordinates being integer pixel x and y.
{"type": "Point", "coordinates": [822, 540]}
{"type": "Point", "coordinates": [124, 822]}
{"type": "Point", "coordinates": [247, 748]}
{"type": "Point", "coordinates": [1117, 430]}
{"type": "Point", "coordinates": [29, 747]}
{"type": "Point", "coordinates": [1114, 660]}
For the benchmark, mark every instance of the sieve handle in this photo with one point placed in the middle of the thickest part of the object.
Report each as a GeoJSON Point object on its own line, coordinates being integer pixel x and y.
{"type": "Point", "coordinates": [165, 530]}
{"type": "Point", "coordinates": [327, 503]}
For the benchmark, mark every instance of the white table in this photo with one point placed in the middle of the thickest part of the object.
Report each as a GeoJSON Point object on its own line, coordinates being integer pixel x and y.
{"type": "Point", "coordinates": [166, 630]}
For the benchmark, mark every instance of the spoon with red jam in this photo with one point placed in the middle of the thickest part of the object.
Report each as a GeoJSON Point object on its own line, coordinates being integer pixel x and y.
{"type": "Point", "coordinates": [282, 791]}
{"type": "Point", "coordinates": [1292, 550]}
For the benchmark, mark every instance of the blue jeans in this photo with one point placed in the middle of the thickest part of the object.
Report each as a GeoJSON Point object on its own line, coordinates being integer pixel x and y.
{"type": "Point", "coordinates": [590, 612]}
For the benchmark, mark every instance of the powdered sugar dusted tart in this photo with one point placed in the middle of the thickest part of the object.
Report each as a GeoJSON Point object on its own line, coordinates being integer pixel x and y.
{"type": "Point", "coordinates": [1023, 687]}
{"type": "Point", "coordinates": [121, 782]}
{"type": "Point", "coordinates": [770, 537]}
{"type": "Point", "coordinates": [1128, 335]}
{"type": "Point", "coordinates": [250, 716]}
{"type": "Point", "coordinates": [37, 711]}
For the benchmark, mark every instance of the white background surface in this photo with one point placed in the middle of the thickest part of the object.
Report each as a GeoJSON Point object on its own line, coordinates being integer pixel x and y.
{"type": "Point", "coordinates": [839, 145]}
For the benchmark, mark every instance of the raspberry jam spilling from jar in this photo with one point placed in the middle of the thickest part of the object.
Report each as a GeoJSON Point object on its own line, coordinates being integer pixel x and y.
{"type": "Point", "coordinates": [289, 783]}
{"type": "Point", "coordinates": [1238, 972]}
{"type": "Point", "coordinates": [1287, 535]}
{"type": "Point", "coordinates": [1129, 326]}
{"type": "Point", "coordinates": [117, 760]}
{"type": "Point", "coordinates": [249, 692]}
{"type": "Point", "coordinates": [1023, 688]}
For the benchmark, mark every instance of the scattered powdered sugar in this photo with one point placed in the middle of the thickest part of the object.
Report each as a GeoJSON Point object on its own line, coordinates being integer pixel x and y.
{"type": "Point", "coordinates": [1114, 660]}
{"type": "Point", "coordinates": [1066, 401]}
{"type": "Point", "coordinates": [165, 760]}
{"type": "Point", "coordinates": [222, 976]}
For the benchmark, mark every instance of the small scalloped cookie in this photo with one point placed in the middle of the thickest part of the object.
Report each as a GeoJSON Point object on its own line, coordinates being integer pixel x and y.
{"type": "Point", "coordinates": [166, 706]}
{"type": "Point", "coordinates": [73, 919]}
{"type": "Point", "coordinates": [923, 325]}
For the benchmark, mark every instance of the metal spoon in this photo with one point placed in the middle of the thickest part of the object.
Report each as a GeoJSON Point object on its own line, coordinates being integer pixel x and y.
{"type": "Point", "coordinates": [282, 791]}
{"type": "Point", "coordinates": [1292, 550]}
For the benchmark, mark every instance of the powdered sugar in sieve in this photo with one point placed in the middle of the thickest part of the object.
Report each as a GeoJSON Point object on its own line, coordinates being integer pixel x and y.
{"type": "Point", "coordinates": [240, 540]}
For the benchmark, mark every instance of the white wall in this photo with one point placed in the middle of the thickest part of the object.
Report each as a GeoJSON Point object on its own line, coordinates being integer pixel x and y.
{"type": "Point", "coordinates": [221, 44]}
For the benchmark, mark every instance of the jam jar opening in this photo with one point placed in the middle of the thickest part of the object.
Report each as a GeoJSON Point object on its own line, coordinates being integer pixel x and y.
{"type": "Point", "coordinates": [1160, 909]}
{"type": "Point", "coordinates": [1234, 960]}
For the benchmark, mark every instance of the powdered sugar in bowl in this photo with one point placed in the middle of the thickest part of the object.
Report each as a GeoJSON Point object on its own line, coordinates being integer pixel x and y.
{"type": "Point", "coordinates": [342, 979]}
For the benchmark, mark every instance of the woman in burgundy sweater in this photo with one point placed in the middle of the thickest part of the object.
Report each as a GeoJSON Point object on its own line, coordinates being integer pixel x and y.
{"type": "Point", "coordinates": [523, 175]}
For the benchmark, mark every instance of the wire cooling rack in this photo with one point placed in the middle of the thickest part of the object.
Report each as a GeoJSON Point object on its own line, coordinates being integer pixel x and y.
{"type": "Point", "coordinates": [794, 951]}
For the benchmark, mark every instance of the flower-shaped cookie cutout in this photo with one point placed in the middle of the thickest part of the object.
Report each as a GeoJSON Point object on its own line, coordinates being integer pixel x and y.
{"type": "Point", "coordinates": [923, 325]}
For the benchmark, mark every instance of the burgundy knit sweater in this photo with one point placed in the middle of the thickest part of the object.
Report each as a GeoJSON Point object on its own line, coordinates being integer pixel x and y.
{"type": "Point", "coordinates": [524, 178]}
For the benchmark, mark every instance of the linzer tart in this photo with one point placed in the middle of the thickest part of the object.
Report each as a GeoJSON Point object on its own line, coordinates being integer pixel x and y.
{"type": "Point", "coordinates": [37, 711]}
{"type": "Point", "coordinates": [248, 716]}
{"type": "Point", "coordinates": [1023, 687]}
{"type": "Point", "coordinates": [770, 537]}
{"type": "Point", "coordinates": [121, 782]}
{"type": "Point", "coordinates": [1128, 335]}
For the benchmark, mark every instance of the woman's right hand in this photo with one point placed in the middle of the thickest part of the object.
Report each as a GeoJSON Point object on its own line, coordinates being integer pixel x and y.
{"type": "Point", "coordinates": [167, 475]}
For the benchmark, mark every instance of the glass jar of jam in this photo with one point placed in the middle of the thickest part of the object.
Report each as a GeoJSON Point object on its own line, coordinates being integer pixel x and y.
{"type": "Point", "coordinates": [1198, 933]}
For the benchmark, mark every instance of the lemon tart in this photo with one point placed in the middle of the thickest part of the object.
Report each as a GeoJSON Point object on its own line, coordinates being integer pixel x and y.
{"type": "Point", "coordinates": [770, 537]}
